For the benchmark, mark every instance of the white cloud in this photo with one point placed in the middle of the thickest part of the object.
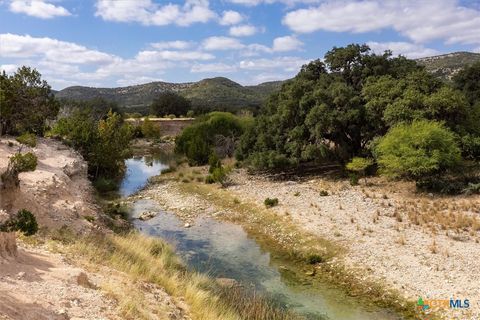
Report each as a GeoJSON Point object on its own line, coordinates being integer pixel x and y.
{"type": "Point", "coordinates": [410, 50]}
{"type": "Point", "coordinates": [38, 8]}
{"type": "Point", "coordinates": [287, 43]}
{"type": "Point", "coordinates": [243, 30]}
{"type": "Point", "coordinates": [8, 68]}
{"type": "Point", "coordinates": [178, 45]}
{"type": "Point", "coordinates": [149, 13]}
{"type": "Point", "coordinates": [150, 55]}
{"type": "Point", "coordinates": [420, 21]}
{"type": "Point", "coordinates": [230, 17]}
{"type": "Point", "coordinates": [213, 67]}
{"type": "Point", "coordinates": [221, 43]}
{"type": "Point", "coordinates": [287, 2]}
{"type": "Point", "coordinates": [17, 46]}
{"type": "Point", "coordinates": [289, 64]}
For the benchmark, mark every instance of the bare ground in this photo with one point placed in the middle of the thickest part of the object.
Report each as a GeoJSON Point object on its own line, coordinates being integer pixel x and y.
{"type": "Point", "coordinates": [422, 245]}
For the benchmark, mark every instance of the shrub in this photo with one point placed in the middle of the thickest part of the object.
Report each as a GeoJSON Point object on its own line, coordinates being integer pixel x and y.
{"type": "Point", "coordinates": [417, 150]}
{"type": "Point", "coordinates": [103, 184]}
{"type": "Point", "coordinates": [269, 202]}
{"type": "Point", "coordinates": [23, 221]}
{"type": "Point", "coordinates": [472, 188]}
{"type": "Point", "coordinates": [448, 184]}
{"type": "Point", "coordinates": [359, 166]}
{"type": "Point", "coordinates": [24, 162]}
{"type": "Point", "coordinates": [315, 258]}
{"type": "Point", "coordinates": [28, 139]}
{"type": "Point", "coordinates": [323, 193]}
{"type": "Point", "coordinates": [198, 141]}
{"type": "Point", "coordinates": [149, 129]}
{"type": "Point", "coordinates": [17, 164]}
{"type": "Point", "coordinates": [353, 177]}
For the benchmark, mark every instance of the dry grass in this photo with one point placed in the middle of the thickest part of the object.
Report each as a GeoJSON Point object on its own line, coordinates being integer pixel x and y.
{"type": "Point", "coordinates": [151, 260]}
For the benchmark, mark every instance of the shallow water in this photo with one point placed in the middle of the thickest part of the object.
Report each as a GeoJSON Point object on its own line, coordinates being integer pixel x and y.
{"type": "Point", "coordinates": [223, 249]}
{"type": "Point", "coordinates": [139, 170]}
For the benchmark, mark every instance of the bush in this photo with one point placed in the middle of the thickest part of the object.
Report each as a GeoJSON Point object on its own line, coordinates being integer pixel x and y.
{"type": "Point", "coordinates": [28, 139]}
{"type": "Point", "coordinates": [198, 141]}
{"type": "Point", "coordinates": [103, 143]}
{"type": "Point", "coordinates": [472, 188]}
{"type": "Point", "coordinates": [103, 185]}
{"type": "Point", "coordinates": [171, 104]}
{"type": "Point", "coordinates": [323, 193]}
{"type": "Point", "coordinates": [269, 202]}
{"type": "Point", "coordinates": [417, 150]}
{"type": "Point", "coordinates": [23, 221]}
{"type": "Point", "coordinates": [353, 177]}
{"type": "Point", "coordinates": [315, 258]}
{"type": "Point", "coordinates": [449, 184]}
{"type": "Point", "coordinates": [24, 162]}
{"type": "Point", "coordinates": [17, 164]}
{"type": "Point", "coordinates": [149, 129]}
{"type": "Point", "coordinates": [359, 166]}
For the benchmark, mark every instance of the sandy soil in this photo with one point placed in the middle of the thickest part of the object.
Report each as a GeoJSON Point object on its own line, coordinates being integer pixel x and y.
{"type": "Point", "coordinates": [57, 192]}
{"type": "Point", "coordinates": [431, 260]}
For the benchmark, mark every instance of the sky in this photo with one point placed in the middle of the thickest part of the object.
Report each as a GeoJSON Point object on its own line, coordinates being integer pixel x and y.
{"type": "Point", "coordinates": [112, 43]}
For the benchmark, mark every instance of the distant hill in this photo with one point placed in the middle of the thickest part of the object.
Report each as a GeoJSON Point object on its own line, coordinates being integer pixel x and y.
{"type": "Point", "coordinates": [445, 66]}
{"type": "Point", "coordinates": [214, 93]}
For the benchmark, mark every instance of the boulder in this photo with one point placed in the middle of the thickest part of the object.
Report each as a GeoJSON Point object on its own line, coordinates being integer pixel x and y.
{"type": "Point", "coordinates": [147, 215]}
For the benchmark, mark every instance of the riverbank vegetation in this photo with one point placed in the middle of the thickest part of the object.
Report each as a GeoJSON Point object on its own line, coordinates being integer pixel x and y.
{"type": "Point", "coordinates": [358, 104]}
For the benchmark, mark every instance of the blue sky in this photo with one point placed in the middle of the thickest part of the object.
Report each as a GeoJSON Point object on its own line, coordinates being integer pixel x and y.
{"type": "Point", "coordinates": [112, 43]}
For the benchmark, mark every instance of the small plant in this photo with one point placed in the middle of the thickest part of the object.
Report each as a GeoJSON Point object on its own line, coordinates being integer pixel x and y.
{"type": "Point", "coordinates": [17, 164]}
{"type": "Point", "coordinates": [472, 188]}
{"type": "Point", "coordinates": [359, 166]}
{"type": "Point", "coordinates": [104, 185]}
{"type": "Point", "coordinates": [89, 218]}
{"type": "Point", "coordinates": [11, 144]}
{"type": "Point", "coordinates": [353, 177]}
{"type": "Point", "coordinates": [323, 193]}
{"type": "Point", "coordinates": [269, 202]}
{"type": "Point", "coordinates": [28, 139]}
{"type": "Point", "coordinates": [236, 201]}
{"type": "Point", "coordinates": [23, 221]}
{"type": "Point", "coordinates": [315, 258]}
{"type": "Point", "coordinates": [185, 180]}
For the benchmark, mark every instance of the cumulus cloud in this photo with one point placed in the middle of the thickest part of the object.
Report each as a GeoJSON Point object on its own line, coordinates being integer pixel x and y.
{"type": "Point", "coordinates": [287, 2]}
{"type": "Point", "coordinates": [243, 30]}
{"type": "Point", "coordinates": [38, 8]}
{"type": "Point", "coordinates": [25, 46]}
{"type": "Point", "coordinates": [151, 55]}
{"type": "Point", "coordinates": [177, 44]}
{"type": "Point", "coordinates": [420, 21]}
{"type": "Point", "coordinates": [410, 50]}
{"type": "Point", "coordinates": [290, 64]}
{"type": "Point", "coordinates": [230, 17]}
{"type": "Point", "coordinates": [221, 43]}
{"type": "Point", "coordinates": [287, 43]}
{"type": "Point", "coordinates": [147, 12]}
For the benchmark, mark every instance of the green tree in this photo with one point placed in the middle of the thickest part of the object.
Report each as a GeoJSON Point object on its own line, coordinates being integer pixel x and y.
{"type": "Point", "coordinates": [417, 150]}
{"type": "Point", "coordinates": [27, 102]}
{"type": "Point", "coordinates": [149, 129]}
{"type": "Point", "coordinates": [23, 221]}
{"type": "Point", "coordinates": [198, 141]}
{"type": "Point", "coordinates": [468, 80]}
{"type": "Point", "coordinates": [320, 114]}
{"type": "Point", "coordinates": [104, 143]}
{"type": "Point", "coordinates": [359, 165]}
{"type": "Point", "coordinates": [167, 103]}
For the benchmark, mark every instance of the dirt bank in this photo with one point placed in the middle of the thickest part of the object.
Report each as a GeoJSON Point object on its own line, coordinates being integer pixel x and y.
{"type": "Point", "coordinates": [421, 245]}
{"type": "Point", "coordinates": [58, 192]}
{"type": "Point", "coordinates": [37, 282]}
